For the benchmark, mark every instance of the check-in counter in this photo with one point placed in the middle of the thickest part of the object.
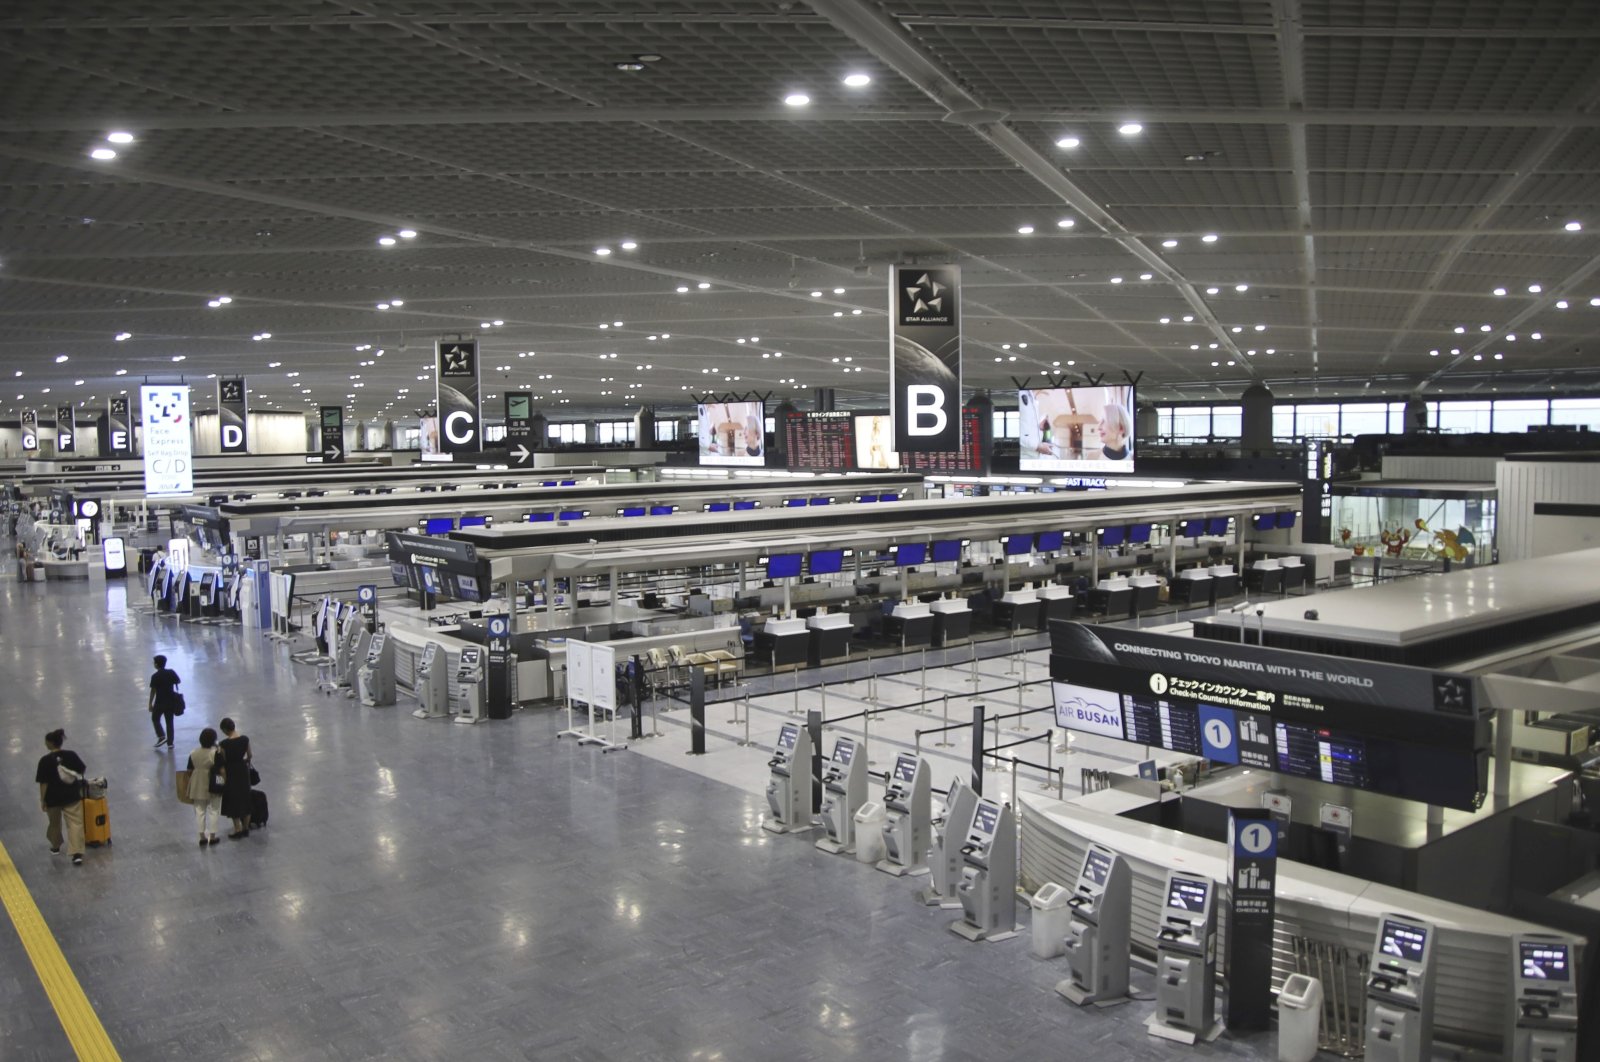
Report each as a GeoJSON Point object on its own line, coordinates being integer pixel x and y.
{"type": "Point", "coordinates": [1055, 603]}
{"type": "Point", "coordinates": [1224, 580]}
{"type": "Point", "coordinates": [781, 642]}
{"type": "Point", "coordinates": [1294, 572]}
{"type": "Point", "coordinates": [1112, 597]}
{"type": "Point", "coordinates": [1193, 586]}
{"type": "Point", "coordinates": [1018, 610]}
{"type": "Point", "coordinates": [952, 621]}
{"type": "Point", "coordinates": [1146, 592]}
{"type": "Point", "coordinates": [830, 637]}
{"type": "Point", "coordinates": [1264, 576]}
{"type": "Point", "coordinates": [911, 623]}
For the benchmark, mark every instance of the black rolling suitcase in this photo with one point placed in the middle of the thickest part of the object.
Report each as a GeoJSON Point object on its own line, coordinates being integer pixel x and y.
{"type": "Point", "coordinates": [258, 809]}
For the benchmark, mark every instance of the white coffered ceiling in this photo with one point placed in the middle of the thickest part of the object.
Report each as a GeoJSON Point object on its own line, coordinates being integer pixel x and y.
{"type": "Point", "coordinates": [1372, 172]}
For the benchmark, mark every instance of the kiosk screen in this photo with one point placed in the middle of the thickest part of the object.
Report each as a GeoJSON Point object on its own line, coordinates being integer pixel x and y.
{"type": "Point", "coordinates": [844, 751]}
{"type": "Point", "coordinates": [985, 817]}
{"type": "Point", "coordinates": [1187, 894]}
{"type": "Point", "coordinates": [905, 767]}
{"type": "Point", "coordinates": [1544, 962]}
{"type": "Point", "coordinates": [788, 735]}
{"type": "Point", "coordinates": [1401, 941]}
{"type": "Point", "coordinates": [1096, 866]}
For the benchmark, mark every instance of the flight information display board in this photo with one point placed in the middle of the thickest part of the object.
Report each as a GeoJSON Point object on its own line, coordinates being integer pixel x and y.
{"type": "Point", "coordinates": [970, 458]}
{"type": "Point", "coordinates": [821, 442]}
{"type": "Point", "coordinates": [1406, 732]}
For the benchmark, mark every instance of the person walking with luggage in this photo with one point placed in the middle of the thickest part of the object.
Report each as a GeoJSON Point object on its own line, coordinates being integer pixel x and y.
{"type": "Point", "coordinates": [60, 778]}
{"type": "Point", "coordinates": [235, 750]}
{"type": "Point", "coordinates": [165, 700]}
{"type": "Point", "coordinates": [207, 805]}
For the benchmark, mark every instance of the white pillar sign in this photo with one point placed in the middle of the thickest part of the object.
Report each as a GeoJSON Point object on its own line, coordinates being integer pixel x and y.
{"type": "Point", "coordinates": [168, 444]}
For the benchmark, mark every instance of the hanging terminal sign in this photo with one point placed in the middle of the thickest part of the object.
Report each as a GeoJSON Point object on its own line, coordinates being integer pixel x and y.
{"type": "Point", "coordinates": [426, 551]}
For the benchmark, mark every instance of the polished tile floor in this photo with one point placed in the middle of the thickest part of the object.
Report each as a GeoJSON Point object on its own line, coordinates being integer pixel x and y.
{"type": "Point", "coordinates": [429, 891]}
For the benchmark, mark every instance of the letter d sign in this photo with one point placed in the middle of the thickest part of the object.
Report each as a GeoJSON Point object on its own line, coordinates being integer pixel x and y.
{"type": "Point", "coordinates": [232, 437]}
{"type": "Point", "coordinates": [925, 406]}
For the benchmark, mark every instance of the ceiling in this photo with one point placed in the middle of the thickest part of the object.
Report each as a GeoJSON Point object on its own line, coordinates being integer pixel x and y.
{"type": "Point", "coordinates": [1372, 173]}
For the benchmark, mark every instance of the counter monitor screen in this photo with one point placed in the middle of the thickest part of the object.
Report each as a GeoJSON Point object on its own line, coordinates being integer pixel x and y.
{"type": "Point", "coordinates": [541, 518]}
{"type": "Point", "coordinates": [631, 510]}
{"type": "Point", "coordinates": [888, 497]}
{"type": "Point", "coordinates": [718, 507]}
{"type": "Point", "coordinates": [1192, 528]}
{"type": "Point", "coordinates": [1285, 521]}
{"type": "Point", "coordinates": [439, 525]}
{"type": "Point", "coordinates": [1018, 544]}
{"type": "Point", "coordinates": [905, 769]}
{"type": "Point", "coordinates": [825, 561]}
{"type": "Point", "coordinates": [1264, 521]}
{"type": "Point", "coordinates": [985, 817]}
{"type": "Point", "coordinates": [912, 553]}
{"type": "Point", "coordinates": [1217, 525]}
{"type": "Point", "coordinates": [397, 573]}
{"type": "Point", "coordinates": [467, 588]}
{"type": "Point", "coordinates": [1188, 894]}
{"type": "Point", "coordinates": [1400, 941]}
{"type": "Point", "coordinates": [795, 503]}
{"type": "Point", "coordinates": [1112, 536]}
{"type": "Point", "coordinates": [784, 565]}
{"type": "Point", "coordinates": [1096, 867]}
{"type": "Point", "coordinates": [1543, 961]}
{"type": "Point", "coordinates": [741, 506]}
{"type": "Point", "coordinates": [1138, 532]}
{"type": "Point", "coordinates": [948, 549]}
{"type": "Point", "coordinates": [1049, 541]}
{"type": "Point", "coordinates": [843, 751]}
{"type": "Point", "coordinates": [573, 514]}
{"type": "Point", "coordinates": [866, 497]}
{"type": "Point", "coordinates": [474, 521]}
{"type": "Point", "coordinates": [821, 501]}
{"type": "Point", "coordinates": [662, 510]}
{"type": "Point", "coordinates": [787, 736]}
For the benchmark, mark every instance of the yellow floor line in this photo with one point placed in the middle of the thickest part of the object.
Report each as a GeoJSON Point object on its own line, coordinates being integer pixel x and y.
{"type": "Point", "coordinates": [77, 1016]}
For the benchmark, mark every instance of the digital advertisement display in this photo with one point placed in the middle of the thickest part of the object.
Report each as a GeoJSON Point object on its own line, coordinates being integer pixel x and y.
{"type": "Point", "coordinates": [732, 433]}
{"type": "Point", "coordinates": [875, 442]}
{"type": "Point", "coordinates": [168, 446]}
{"type": "Point", "coordinates": [1076, 429]}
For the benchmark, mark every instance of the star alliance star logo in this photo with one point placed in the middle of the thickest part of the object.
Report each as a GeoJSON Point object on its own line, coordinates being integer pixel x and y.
{"type": "Point", "coordinates": [927, 299]}
{"type": "Point", "coordinates": [926, 295]}
{"type": "Point", "coordinates": [232, 391]}
{"type": "Point", "coordinates": [457, 360]}
{"type": "Point", "coordinates": [1452, 694]}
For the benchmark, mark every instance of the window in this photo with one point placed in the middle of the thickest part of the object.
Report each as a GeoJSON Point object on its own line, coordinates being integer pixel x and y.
{"type": "Point", "coordinates": [613, 432]}
{"type": "Point", "coordinates": [1164, 422]}
{"type": "Point", "coordinates": [667, 431]}
{"type": "Point", "coordinates": [1312, 420]}
{"type": "Point", "coordinates": [1520, 414]}
{"type": "Point", "coordinates": [1363, 418]}
{"type": "Point", "coordinates": [1191, 422]}
{"type": "Point", "coordinates": [1227, 422]}
{"type": "Point", "coordinates": [494, 432]}
{"type": "Point", "coordinates": [1283, 422]}
{"type": "Point", "coordinates": [1464, 416]}
{"type": "Point", "coordinates": [568, 433]}
{"type": "Point", "coordinates": [1007, 424]}
{"type": "Point", "coordinates": [1581, 411]}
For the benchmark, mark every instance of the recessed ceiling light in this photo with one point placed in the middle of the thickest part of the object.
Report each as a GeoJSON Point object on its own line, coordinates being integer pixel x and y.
{"type": "Point", "coordinates": [1212, 291]}
{"type": "Point", "coordinates": [1026, 230]}
{"type": "Point", "coordinates": [1477, 357]}
{"type": "Point", "coordinates": [1433, 353]}
{"type": "Point", "coordinates": [223, 300]}
{"type": "Point", "coordinates": [1065, 223]}
{"type": "Point", "coordinates": [1241, 288]}
{"type": "Point", "coordinates": [703, 285]}
{"type": "Point", "coordinates": [682, 288]}
{"type": "Point", "coordinates": [179, 357]}
{"type": "Point", "coordinates": [1188, 318]}
{"type": "Point", "coordinates": [1068, 143]}
{"type": "Point", "coordinates": [1166, 320]}
{"type": "Point", "coordinates": [383, 306]}
{"type": "Point", "coordinates": [386, 241]}
{"type": "Point", "coordinates": [1116, 280]}
{"type": "Point", "coordinates": [629, 245]}
{"type": "Point", "coordinates": [104, 154]}
{"type": "Point", "coordinates": [120, 336]}
{"type": "Point", "coordinates": [1237, 329]}
{"type": "Point", "coordinates": [1261, 328]}
{"type": "Point", "coordinates": [838, 291]}
{"type": "Point", "coordinates": [119, 137]}
{"type": "Point", "coordinates": [1499, 291]}
{"type": "Point", "coordinates": [648, 57]}
{"type": "Point", "coordinates": [397, 302]}
{"type": "Point", "coordinates": [119, 372]}
{"type": "Point", "coordinates": [1574, 226]}
{"type": "Point", "coordinates": [60, 358]}
{"type": "Point", "coordinates": [1499, 357]}
{"type": "Point", "coordinates": [1534, 289]}
{"type": "Point", "coordinates": [630, 65]}
{"type": "Point", "coordinates": [858, 80]}
{"type": "Point", "coordinates": [1209, 237]}
{"type": "Point", "coordinates": [1130, 128]}
{"type": "Point", "coordinates": [797, 99]}
{"type": "Point", "coordinates": [1146, 276]}
{"type": "Point", "coordinates": [1536, 335]}
{"type": "Point", "coordinates": [602, 251]}
{"type": "Point", "coordinates": [1485, 328]}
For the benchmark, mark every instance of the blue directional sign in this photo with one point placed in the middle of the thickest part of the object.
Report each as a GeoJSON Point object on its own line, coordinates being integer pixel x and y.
{"type": "Point", "coordinates": [1219, 734]}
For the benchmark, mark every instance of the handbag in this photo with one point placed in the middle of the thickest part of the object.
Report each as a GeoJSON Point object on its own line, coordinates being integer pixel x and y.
{"type": "Point", "coordinates": [178, 704]}
{"type": "Point", "coordinates": [255, 776]}
{"type": "Point", "coordinates": [182, 784]}
{"type": "Point", "coordinates": [219, 778]}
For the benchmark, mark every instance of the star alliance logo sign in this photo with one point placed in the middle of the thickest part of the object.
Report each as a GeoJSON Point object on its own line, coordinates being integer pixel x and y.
{"type": "Point", "coordinates": [457, 360]}
{"type": "Point", "coordinates": [232, 391]}
{"type": "Point", "coordinates": [925, 302]}
{"type": "Point", "coordinates": [1452, 694]}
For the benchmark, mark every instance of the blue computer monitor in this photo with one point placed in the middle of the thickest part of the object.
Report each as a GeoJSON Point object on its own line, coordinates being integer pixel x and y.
{"type": "Point", "coordinates": [888, 497]}
{"type": "Point", "coordinates": [946, 549]}
{"type": "Point", "coordinates": [1049, 541]}
{"type": "Point", "coordinates": [795, 503]}
{"type": "Point", "coordinates": [866, 498]}
{"type": "Point", "coordinates": [825, 561]}
{"type": "Point", "coordinates": [662, 510]}
{"type": "Point", "coordinates": [439, 525]}
{"type": "Point", "coordinates": [573, 514]}
{"type": "Point", "coordinates": [548, 483]}
{"type": "Point", "coordinates": [740, 506]}
{"type": "Point", "coordinates": [569, 483]}
{"type": "Point", "coordinates": [397, 574]}
{"type": "Point", "coordinates": [1264, 521]}
{"type": "Point", "coordinates": [1112, 536]}
{"type": "Point", "coordinates": [474, 521]}
{"type": "Point", "coordinates": [631, 510]}
{"type": "Point", "coordinates": [1285, 521]}
{"type": "Point", "coordinates": [467, 588]}
{"type": "Point", "coordinates": [541, 518]}
{"type": "Point", "coordinates": [1192, 528]}
{"type": "Point", "coordinates": [1016, 545]}
{"type": "Point", "coordinates": [1217, 525]}
{"type": "Point", "coordinates": [821, 501]}
{"type": "Point", "coordinates": [784, 565]}
{"type": "Point", "coordinates": [911, 553]}
{"type": "Point", "coordinates": [1138, 532]}
{"type": "Point", "coordinates": [718, 507]}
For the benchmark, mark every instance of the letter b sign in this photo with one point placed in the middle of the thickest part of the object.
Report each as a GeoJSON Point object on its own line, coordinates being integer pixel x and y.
{"type": "Point", "coordinates": [925, 410]}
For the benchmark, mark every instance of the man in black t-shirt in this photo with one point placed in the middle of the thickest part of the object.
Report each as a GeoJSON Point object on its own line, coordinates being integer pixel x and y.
{"type": "Point", "coordinates": [59, 798]}
{"type": "Point", "coordinates": [163, 700]}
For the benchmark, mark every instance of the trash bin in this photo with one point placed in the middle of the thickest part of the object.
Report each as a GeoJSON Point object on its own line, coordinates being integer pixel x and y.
{"type": "Point", "coordinates": [1299, 1017]}
{"type": "Point", "coordinates": [1052, 918]}
{"type": "Point", "coordinates": [869, 832]}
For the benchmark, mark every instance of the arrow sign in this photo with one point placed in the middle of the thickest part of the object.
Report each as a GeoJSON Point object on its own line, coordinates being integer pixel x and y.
{"type": "Point", "coordinates": [333, 453]}
{"type": "Point", "coordinates": [332, 421]}
{"type": "Point", "coordinates": [521, 453]}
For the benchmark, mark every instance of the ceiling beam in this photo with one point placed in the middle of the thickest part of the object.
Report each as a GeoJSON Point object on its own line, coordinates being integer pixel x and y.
{"type": "Point", "coordinates": [1286, 16]}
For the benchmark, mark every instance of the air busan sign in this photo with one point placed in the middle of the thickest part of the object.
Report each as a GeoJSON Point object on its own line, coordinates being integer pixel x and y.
{"type": "Point", "coordinates": [925, 363]}
{"type": "Point", "coordinates": [460, 422]}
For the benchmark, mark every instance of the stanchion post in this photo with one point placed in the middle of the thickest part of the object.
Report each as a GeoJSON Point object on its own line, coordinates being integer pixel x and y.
{"type": "Point", "coordinates": [1049, 758]}
{"type": "Point", "coordinates": [941, 743]}
{"type": "Point", "coordinates": [974, 679]}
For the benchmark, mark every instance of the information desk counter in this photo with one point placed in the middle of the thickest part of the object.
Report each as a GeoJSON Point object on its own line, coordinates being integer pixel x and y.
{"type": "Point", "coordinates": [1322, 563]}
{"type": "Point", "coordinates": [1017, 610]}
{"type": "Point", "coordinates": [1312, 904]}
{"type": "Point", "coordinates": [1264, 576]}
{"type": "Point", "coordinates": [830, 637]}
{"type": "Point", "coordinates": [782, 642]}
{"type": "Point", "coordinates": [1112, 597]}
{"type": "Point", "coordinates": [952, 621]}
{"type": "Point", "coordinates": [909, 625]}
{"type": "Point", "coordinates": [1055, 603]}
{"type": "Point", "coordinates": [1193, 586]}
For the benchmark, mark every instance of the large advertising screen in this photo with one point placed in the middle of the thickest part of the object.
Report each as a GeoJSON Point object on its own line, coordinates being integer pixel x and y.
{"type": "Point", "coordinates": [875, 442]}
{"type": "Point", "coordinates": [1076, 429]}
{"type": "Point", "coordinates": [732, 433]}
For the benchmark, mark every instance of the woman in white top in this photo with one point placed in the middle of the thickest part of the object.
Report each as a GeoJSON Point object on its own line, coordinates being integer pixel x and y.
{"type": "Point", "coordinates": [207, 805]}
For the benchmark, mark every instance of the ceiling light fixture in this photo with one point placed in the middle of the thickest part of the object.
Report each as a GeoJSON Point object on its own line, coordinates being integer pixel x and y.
{"type": "Point", "coordinates": [1534, 289]}
{"type": "Point", "coordinates": [386, 241]}
{"type": "Point", "coordinates": [60, 358]}
{"type": "Point", "coordinates": [703, 285]}
{"type": "Point", "coordinates": [1209, 237]}
{"type": "Point", "coordinates": [119, 137]}
{"type": "Point", "coordinates": [1500, 291]}
{"type": "Point", "coordinates": [602, 251]}
{"type": "Point", "coordinates": [104, 154]}
{"type": "Point", "coordinates": [797, 99]}
{"type": "Point", "coordinates": [630, 66]}
{"type": "Point", "coordinates": [1574, 226]}
{"type": "Point", "coordinates": [120, 336]}
{"type": "Point", "coordinates": [858, 80]}
{"type": "Point", "coordinates": [629, 245]}
{"type": "Point", "coordinates": [1025, 230]}
{"type": "Point", "coordinates": [1130, 128]}
{"type": "Point", "coordinates": [1068, 143]}
{"type": "Point", "coordinates": [1065, 223]}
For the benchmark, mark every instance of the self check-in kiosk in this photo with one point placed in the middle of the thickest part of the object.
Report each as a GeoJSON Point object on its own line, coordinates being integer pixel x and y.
{"type": "Point", "coordinates": [1097, 941]}
{"type": "Point", "coordinates": [433, 684]}
{"type": "Point", "coordinates": [789, 788]}
{"type": "Point", "coordinates": [472, 686]}
{"type": "Point", "coordinates": [1186, 961]}
{"type": "Point", "coordinates": [1544, 998]}
{"type": "Point", "coordinates": [907, 803]}
{"type": "Point", "coordinates": [354, 640]}
{"type": "Point", "coordinates": [844, 790]}
{"type": "Point", "coordinates": [375, 681]}
{"type": "Point", "coordinates": [988, 874]}
{"type": "Point", "coordinates": [1400, 986]}
{"type": "Point", "coordinates": [944, 861]}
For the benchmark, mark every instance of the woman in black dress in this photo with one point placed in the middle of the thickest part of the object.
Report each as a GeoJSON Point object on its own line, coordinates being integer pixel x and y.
{"type": "Point", "coordinates": [235, 750]}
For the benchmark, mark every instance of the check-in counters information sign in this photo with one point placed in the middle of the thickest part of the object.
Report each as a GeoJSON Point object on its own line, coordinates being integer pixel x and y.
{"type": "Point", "coordinates": [1407, 732]}
{"type": "Point", "coordinates": [168, 444]}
